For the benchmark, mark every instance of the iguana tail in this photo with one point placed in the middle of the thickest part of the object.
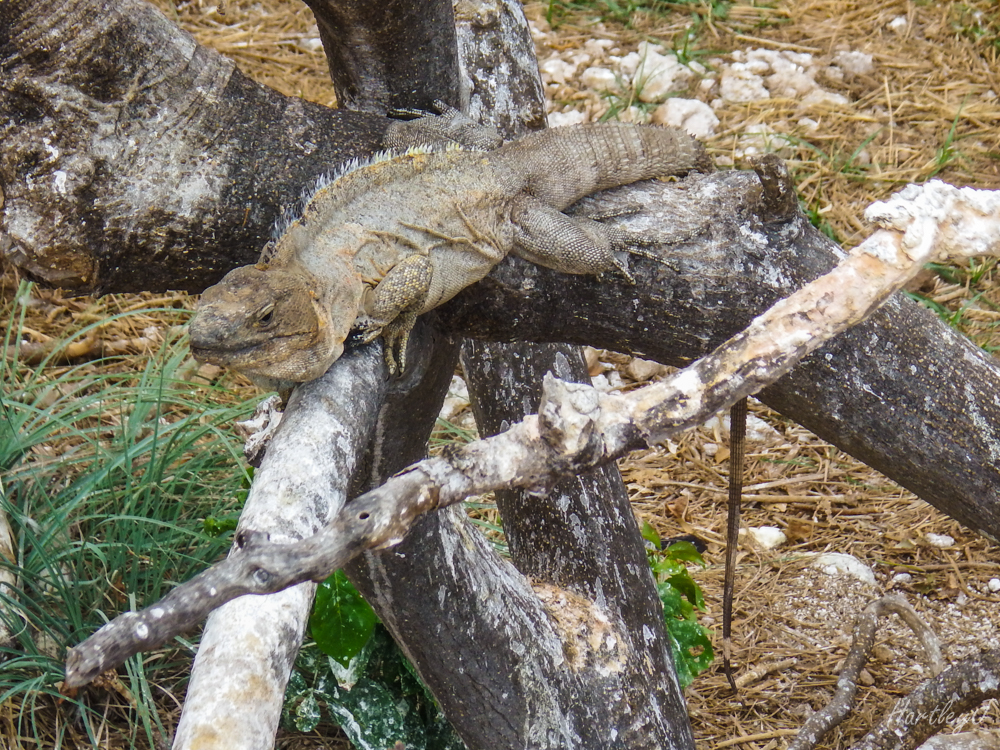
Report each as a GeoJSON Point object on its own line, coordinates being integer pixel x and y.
{"type": "Point", "coordinates": [561, 165]}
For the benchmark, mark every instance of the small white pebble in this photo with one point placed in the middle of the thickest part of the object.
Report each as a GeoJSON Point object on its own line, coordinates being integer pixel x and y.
{"type": "Point", "coordinates": [994, 585]}
{"type": "Point", "coordinates": [311, 45]}
{"type": "Point", "coordinates": [562, 119]}
{"type": "Point", "coordinates": [837, 563]}
{"type": "Point", "coordinates": [902, 578]}
{"type": "Point", "coordinates": [768, 537]}
{"type": "Point", "coordinates": [858, 63]}
{"type": "Point", "coordinates": [695, 117]}
{"type": "Point", "coordinates": [898, 24]}
{"type": "Point", "coordinates": [599, 79]}
{"type": "Point", "coordinates": [939, 540]}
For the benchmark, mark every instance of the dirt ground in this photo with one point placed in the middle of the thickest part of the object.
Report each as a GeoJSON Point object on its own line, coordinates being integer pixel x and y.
{"type": "Point", "coordinates": [924, 105]}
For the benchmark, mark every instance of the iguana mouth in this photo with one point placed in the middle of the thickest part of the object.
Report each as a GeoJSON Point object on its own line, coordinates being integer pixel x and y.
{"type": "Point", "coordinates": [226, 355]}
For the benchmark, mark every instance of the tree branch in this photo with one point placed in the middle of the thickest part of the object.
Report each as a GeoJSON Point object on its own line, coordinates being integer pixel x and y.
{"type": "Point", "coordinates": [836, 710]}
{"type": "Point", "coordinates": [960, 688]}
{"type": "Point", "coordinates": [137, 160]}
{"type": "Point", "coordinates": [577, 427]}
{"type": "Point", "coordinates": [902, 372]}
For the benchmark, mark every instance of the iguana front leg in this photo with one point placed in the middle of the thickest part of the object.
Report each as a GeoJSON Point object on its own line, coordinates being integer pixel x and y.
{"type": "Point", "coordinates": [392, 306]}
{"type": "Point", "coordinates": [572, 244]}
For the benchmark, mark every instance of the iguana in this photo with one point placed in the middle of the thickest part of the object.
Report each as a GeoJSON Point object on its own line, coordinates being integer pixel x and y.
{"type": "Point", "coordinates": [383, 241]}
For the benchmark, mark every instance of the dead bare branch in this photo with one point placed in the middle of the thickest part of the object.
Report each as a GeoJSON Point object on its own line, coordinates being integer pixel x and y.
{"type": "Point", "coordinates": [836, 710]}
{"type": "Point", "coordinates": [958, 689]}
{"type": "Point", "coordinates": [578, 427]}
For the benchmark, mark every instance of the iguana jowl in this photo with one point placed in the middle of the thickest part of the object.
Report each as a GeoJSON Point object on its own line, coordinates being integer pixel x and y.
{"type": "Point", "coordinates": [393, 238]}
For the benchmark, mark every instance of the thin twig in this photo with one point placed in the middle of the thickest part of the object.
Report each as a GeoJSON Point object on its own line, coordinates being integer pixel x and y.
{"type": "Point", "coordinates": [959, 689]}
{"type": "Point", "coordinates": [836, 710]}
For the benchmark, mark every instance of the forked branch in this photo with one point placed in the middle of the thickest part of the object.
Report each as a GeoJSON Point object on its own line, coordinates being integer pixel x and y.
{"type": "Point", "coordinates": [578, 427]}
{"type": "Point", "coordinates": [836, 710]}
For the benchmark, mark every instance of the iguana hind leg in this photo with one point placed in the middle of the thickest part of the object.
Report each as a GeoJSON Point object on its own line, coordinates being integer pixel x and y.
{"type": "Point", "coordinates": [392, 306]}
{"type": "Point", "coordinates": [573, 244]}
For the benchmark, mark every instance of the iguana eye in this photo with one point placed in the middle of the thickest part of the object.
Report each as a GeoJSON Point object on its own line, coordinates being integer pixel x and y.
{"type": "Point", "coordinates": [265, 315]}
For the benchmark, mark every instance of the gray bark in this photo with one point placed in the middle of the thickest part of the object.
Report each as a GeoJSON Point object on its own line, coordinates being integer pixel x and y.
{"type": "Point", "coordinates": [903, 391]}
{"type": "Point", "coordinates": [551, 537]}
{"type": "Point", "coordinates": [246, 653]}
{"type": "Point", "coordinates": [518, 692]}
{"type": "Point", "coordinates": [136, 160]}
{"type": "Point", "coordinates": [395, 54]}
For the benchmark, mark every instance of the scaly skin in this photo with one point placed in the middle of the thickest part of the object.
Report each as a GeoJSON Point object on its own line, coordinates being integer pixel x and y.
{"type": "Point", "coordinates": [394, 238]}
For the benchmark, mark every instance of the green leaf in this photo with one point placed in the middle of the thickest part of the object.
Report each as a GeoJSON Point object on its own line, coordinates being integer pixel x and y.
{"type": "Point", "coordinates": [685, 552]}
{"type": "Point", "coordinates": [674, 604]}
{"type": "Point", "coordinates": [307, 713]}
{"type": "Point", "coordinates": [664, 567]}
{"type": "Point", "coordinates": [691, 649]}
{"type": "Point", "coordinates": [650, 534]}
{"type": "Point", "coordinates": [214, 526]}
{"type": "Point", "coordinates": [341, 621]}
{"type": "Point", "coordinates": [372, 718]}
{"type": "Point", "coordinates": [684, 583]}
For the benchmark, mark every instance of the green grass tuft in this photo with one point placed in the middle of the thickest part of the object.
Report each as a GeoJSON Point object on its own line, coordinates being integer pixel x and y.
{"type": "Point", "coordinates": [107, 475]}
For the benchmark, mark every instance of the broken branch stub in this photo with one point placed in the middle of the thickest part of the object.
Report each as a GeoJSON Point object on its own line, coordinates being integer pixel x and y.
{"type": "Point", "coordinates": [580, 427]}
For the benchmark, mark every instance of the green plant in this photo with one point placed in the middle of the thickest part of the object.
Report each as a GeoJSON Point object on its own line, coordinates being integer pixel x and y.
{"type": "Point", "coordinates": [947, 153]}
{"type": "Point", "coordinates": [368, 689]}
{"type": "Point", "coordinates": [690, 642]}
{"type": "Point", "coordinates": [837, 162]}
{"type": "Point", "coordinates": [358, 677]}
{"type": "Point", "coordinates": [623, 11]}
{"type": "Point", "coordinates": [683, 46]}
{"type": "Point", "coordinates": [818, 220]}
{"type": "Point", "coordinates": [979, 26]}
{"type": "Point", "coordinates": [106, 475]}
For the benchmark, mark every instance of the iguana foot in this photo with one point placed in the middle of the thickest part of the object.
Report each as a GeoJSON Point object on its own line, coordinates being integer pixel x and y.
{"type": "Point", "coordinates": [392, 306]}
{"type": "Point", "coordinates": [396, 335]}
{"type": "Point", "coordinates": [448, 125]}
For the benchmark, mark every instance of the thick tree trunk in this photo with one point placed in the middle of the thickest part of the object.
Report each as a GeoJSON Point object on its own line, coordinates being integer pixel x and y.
{"type": "Point", "coordinates": [903, 391]}
{"type": "Point", "coordinates": [519, 690]}
{"type": "Point", "coordinates": [394, 54]}
{"type": "Point", "coordinates": [136, 160]}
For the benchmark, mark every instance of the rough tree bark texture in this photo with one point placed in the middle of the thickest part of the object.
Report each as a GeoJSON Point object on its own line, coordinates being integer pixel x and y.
{"type": "Point", "coordinates": [519, 692]}
{"type": "Point", "coordinates": [552, 537]}
{"type": "Point", "coordinates": [903, 391]}
{"type": "Point", "coordinates": [249, 645]}
{"type": "Point", "coordinates": [394, 54]}
{"type": "Point", "coordinates": [134, 159]}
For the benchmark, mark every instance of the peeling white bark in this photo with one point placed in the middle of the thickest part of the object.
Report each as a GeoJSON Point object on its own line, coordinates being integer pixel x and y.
{"type": "Point", "coordinates": [250, 644]}
{"type": "Point", "coordinates": [578, 427]}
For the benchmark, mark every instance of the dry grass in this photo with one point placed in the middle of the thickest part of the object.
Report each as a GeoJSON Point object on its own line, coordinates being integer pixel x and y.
{"type": "Point", "coordinates": [926, 113]}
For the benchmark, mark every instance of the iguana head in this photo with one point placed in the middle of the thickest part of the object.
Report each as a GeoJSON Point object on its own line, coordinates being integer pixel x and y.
{"type": "Point", "coordinates": [267, 323]}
